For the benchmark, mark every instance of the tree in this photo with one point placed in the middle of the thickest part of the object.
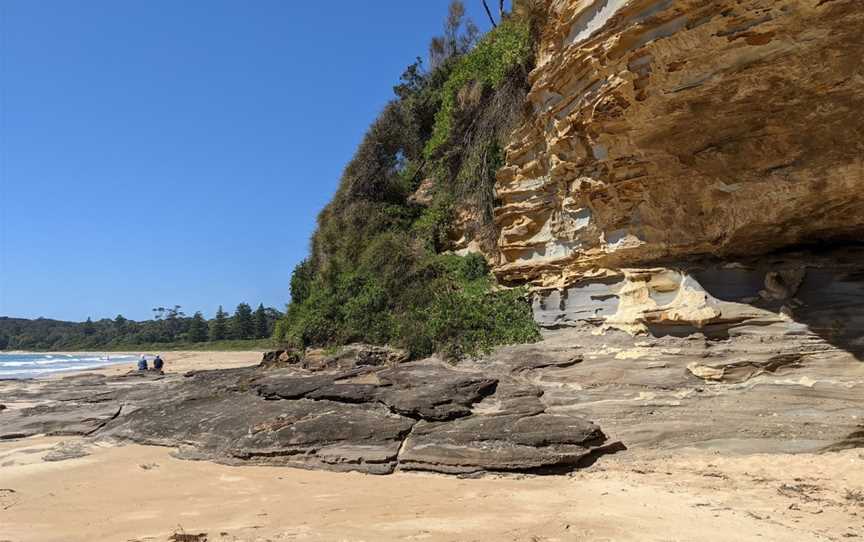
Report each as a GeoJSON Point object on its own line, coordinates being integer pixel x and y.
{"type": "Point", "coordinates": [261, 322]}
{"type": "Point", "coordinates": [452, 42]}
{"type": "Point", "coordinates": [174, 323]}
{"type": "Point", "coordinates": [169, 322]}
{"type": "Point", "coordinates": [242, 325]}
{"type": "Point", "coordinates": [89, 328]}
{"type": "Point", "coordinates": [219, 325]}
{"type": "Point", "coordinates": [301, 280]}
{"type": "Point", "coordinates": [120, 324]}
{"type": "Point", "coordinates": [198, 328]}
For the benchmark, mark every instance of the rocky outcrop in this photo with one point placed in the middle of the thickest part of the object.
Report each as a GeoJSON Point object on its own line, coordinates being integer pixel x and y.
{"type": "Point", "coordinates": [362, 415]}
{"type": "Point", "coordinates": [671, 130]}
{"type": "Point", "coordinates": [535, 408]}
{"type": "Point", "coordinates": [374, 419]}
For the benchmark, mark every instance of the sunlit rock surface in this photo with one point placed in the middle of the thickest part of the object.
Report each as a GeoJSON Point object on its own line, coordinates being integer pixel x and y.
{"type": "Point", "coordinates": [668, 130]}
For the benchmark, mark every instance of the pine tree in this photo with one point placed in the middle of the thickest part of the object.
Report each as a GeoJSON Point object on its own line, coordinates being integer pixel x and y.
{"type": "Point", "coordinates": [219, 325]}
{"type": "Point", "coordinates": [88, 327]}
{"type": "Point", "coordinates": [261, 323]}
{"type": "Point", "coordinates": [120, 324]}
{"type": "Point", "coordinates": [198, 328]}
{"type": "Point", "coordinates": [243, 326]}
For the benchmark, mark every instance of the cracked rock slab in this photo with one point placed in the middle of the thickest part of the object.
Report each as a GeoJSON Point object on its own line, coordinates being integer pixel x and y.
{"type": "Point", "coordinates": [500, 443]}
{"type": "Point", "coordinates": [60, 419]}
{"type": "Point", "coordinates": [431, 392]}
{"type": "Point", "coordinates": [421, 415]}
{"type": "Point", "coordinates": [248, 428]}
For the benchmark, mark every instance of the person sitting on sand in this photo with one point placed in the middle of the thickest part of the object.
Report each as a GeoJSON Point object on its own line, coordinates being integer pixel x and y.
{"type": "Point", "coordinates": [142, 363]}
{"type": "Point", "coordinates": [158, 363]}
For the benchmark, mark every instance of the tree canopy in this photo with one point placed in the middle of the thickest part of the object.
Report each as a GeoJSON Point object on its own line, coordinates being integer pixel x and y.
{"type": "Point", "coordinates": [169, 326]}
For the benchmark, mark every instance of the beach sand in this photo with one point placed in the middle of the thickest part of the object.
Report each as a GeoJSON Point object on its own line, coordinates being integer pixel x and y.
{"type": "Point", "coordinates": [142, 493]}
{"type": "Point", "coordinates": [176, 362]}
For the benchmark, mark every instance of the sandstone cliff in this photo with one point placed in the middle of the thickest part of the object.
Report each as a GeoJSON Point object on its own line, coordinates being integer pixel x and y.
{"type": "Point", "coordinates": [665, 131]}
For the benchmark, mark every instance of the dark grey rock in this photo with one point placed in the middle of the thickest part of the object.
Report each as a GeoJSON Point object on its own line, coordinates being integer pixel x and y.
{"type": "Point", "coordinates": [512, 397]}
{"type": "Point", "coordinates": [355, 414]}
{"type": "Point", "coordinates": [248, 428]}
{"type": "Point", "coordinates": [290, 386]}
{"type": "Point", "coordinates": [504, 442]}
{"type": "Point", "coordinates": [354, 419]}
{"type": "Point", "coordinates": [58, 419]}
{"type": "Point", "coordinates": [431, 391]}
{"type": "Point", "coordinates": [328, 434]}
{"type": "Point", "coordinates": [346, 393]}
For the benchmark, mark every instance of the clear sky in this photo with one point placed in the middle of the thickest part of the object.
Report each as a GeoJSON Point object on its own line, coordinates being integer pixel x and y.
{"type": "Point", "coordinates": [177, 152]}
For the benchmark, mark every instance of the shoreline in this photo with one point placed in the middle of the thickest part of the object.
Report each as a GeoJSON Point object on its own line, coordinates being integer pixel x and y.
{"type": "Point", "coordinates": [182, 361]}
{"type": "Point", "coordinates": [179, 361]}
{"type": "Point", "coordinates": [69, 352]}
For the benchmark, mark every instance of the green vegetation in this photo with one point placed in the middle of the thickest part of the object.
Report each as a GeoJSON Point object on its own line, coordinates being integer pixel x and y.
{"type": "Point", "coordinates": [219, 326]}
{"type": "Point", "coordinates": [379, 270]}
{"type": "Point", "coordinates": [242, 325]}
{"type": "Point", "coordinates": [506, 46]}
{"type": "Point", "coordinates": [230, 345]}
{"type": "Point", "coordinates": [198, 328]}
{"type": "Point", "coordinates": [170, 329]}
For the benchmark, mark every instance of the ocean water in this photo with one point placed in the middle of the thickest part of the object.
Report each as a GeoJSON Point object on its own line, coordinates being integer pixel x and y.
{"type": "Point", "coordinates": [33, 364]}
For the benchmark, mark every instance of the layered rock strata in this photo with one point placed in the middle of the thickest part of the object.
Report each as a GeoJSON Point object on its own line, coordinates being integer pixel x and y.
{"type": "Point", "coordinates": [792, 293]}
{"type": "Point", "coordinates": [669, 130]}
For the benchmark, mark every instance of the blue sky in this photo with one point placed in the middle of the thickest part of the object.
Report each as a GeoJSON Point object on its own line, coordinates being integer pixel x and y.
{"type": "Point", "coordinates": [162, 152]}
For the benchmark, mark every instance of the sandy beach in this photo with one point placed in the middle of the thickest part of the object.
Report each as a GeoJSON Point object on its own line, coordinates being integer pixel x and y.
{"type": "Point", "coordinates": [175, 362]}
{"type": "Point", "coordinates": [142, 493]}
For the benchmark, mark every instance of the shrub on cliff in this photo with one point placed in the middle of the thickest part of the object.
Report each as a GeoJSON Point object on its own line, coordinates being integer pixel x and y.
{"type": "Point", "coordinates": [377, 272]}
{"type": "Point", "coordinates": [505, 47]}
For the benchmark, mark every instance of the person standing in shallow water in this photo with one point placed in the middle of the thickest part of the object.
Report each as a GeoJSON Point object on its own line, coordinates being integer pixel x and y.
{"type": "Point", "coordinates": [142, 363]}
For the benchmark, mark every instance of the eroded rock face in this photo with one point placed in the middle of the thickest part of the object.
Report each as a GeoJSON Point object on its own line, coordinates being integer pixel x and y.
{"type": "Point", "coordinates": [676, 129]}
{"type": "Point", "coordinates": [792, 295]}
